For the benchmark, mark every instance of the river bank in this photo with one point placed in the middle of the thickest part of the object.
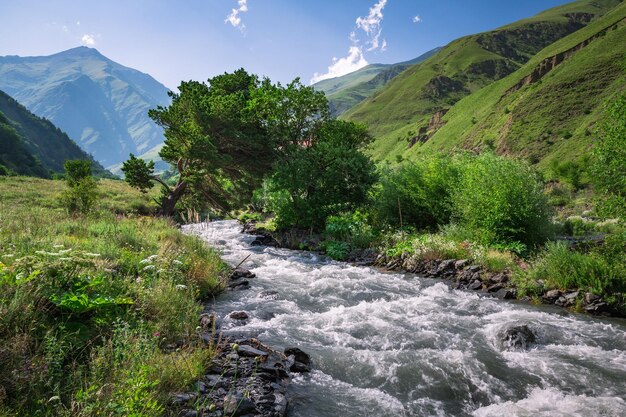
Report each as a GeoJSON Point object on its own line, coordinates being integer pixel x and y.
{"type": "Point", "coordinates": [462, 273]}
{"type": "Point", "coordinates": [393, 344]}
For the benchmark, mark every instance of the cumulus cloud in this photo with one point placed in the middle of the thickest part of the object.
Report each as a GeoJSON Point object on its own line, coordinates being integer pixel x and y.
{"type": "Point", "coordinates": [88, 40]}
{"type": "Point", "coordinates": [342, 66]}
{"type": "Point", "coordinates": [234, 19]}
{"type": "Point", "coordinates": [417, 19]}
{"type": "Point", "coordinates": [371, 26]}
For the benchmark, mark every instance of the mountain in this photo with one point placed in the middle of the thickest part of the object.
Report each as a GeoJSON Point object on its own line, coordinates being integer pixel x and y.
{"type": "Point", "coordinates": [102, 105]}
{"type": "Point", "coordinates": [30, 145]}
{"type": "Point", "coordinates": [349, 90]}
{"type": "Point", "coordinates": [415, 101]}
{"type": "Point", "coordinates": [548, 110]}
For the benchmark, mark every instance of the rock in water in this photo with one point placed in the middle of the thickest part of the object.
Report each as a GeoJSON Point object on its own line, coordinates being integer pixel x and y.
{"type": "Point", "coordinates": [516, 338]}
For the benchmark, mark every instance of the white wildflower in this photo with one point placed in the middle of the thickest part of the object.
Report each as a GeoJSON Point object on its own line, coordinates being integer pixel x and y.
{"type": "Point", "coordinates": [181, 287]}
{"type": "Point", "coordinates": [91, 255]}
{"type": "Point", "coordinates": [148, 268]}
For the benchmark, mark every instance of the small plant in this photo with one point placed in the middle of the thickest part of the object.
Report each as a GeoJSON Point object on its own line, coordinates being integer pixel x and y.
{"type": "Point", "coordinates": [81, 193]}
{"type": "Point", "coordinates": [337, 250]}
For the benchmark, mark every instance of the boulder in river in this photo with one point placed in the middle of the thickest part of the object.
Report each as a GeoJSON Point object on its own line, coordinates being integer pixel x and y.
{"type": "Point", "coordinates": [516, 338]}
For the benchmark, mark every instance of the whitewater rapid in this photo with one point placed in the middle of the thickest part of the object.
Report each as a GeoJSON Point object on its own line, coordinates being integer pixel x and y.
{"type": "Point", "coordinates": [388, 344]}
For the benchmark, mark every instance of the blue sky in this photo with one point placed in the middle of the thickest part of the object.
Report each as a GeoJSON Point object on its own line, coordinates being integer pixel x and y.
{"type": "Point", "coordinates": [283, 39]}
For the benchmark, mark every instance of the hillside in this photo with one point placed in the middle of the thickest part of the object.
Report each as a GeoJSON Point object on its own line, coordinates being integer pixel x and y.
{"type": "Point", "coordinates": [30, 145]}
{"type": "Point", "coordinates": [102, 105]}
{"type": "Point", "coordinates": [412, 103]}
{"type": "Point", "coordinates": [347, 91]}
{"type": "Point", "coordinates": [547, 111]}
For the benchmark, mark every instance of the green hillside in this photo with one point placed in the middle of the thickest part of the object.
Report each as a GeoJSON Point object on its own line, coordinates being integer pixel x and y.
{"type": "Point", "coordinates": [403, 109]}
{"type": "Point", "coordinates": [30, 145]}
{"type": "Point", "coordinates": [545, 112]}
{"type": "Point", "coordinates": [347, 91]}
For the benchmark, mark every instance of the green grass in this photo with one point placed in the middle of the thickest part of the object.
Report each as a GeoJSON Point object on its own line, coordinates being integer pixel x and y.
{"type": "Point", "coordinates": [92, 306]}
{"type": "Point", "coordinates": [407, 102]}
{"type": "Point", "coordinates": [552, 120]}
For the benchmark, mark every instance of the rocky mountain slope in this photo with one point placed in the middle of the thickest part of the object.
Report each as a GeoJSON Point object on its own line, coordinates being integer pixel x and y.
{"type": "Point", "coordinates": [412, 103]}
{"type": "Point", "coordinates": [102, 105]}
{"type": "Point", "coordinates": [30, 145]}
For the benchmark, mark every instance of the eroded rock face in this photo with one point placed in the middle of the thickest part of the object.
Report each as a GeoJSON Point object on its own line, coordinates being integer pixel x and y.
{"type": "Point", "coordinates": [516, 338]}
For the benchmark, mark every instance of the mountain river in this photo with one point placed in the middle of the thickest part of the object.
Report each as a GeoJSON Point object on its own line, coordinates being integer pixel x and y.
{"type": "Point", "coordinates": [390, 344]}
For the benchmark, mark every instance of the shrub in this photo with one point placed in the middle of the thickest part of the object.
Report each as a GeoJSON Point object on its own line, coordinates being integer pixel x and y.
{"type": "Point", "coordinates": [81, 193]}
{"type": "Point", "coordinates": [352, 228]}
{"type": "Point", "coordinates": [609, 162]}
{"type": "Point", "coordinates": [501, 200]}
{"type": "Point", "coordinates": [559, 267]}
{"type": "Point", "coordinates": [415, 194]}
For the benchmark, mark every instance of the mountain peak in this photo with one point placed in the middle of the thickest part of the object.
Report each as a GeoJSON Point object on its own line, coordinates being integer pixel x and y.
{"type": "Point", "coordinates": [82, 51]}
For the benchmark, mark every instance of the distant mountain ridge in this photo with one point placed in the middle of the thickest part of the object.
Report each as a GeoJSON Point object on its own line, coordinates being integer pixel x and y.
{"type": "Point", "coordinates": [349, 90]}
{"type": "Point", "coordinates": [102, 105]}
{"type": "Point", "coordinates": [30, 145]}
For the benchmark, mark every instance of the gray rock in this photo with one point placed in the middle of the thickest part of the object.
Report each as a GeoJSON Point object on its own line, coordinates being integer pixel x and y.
{"type": "Point", "coordinates": [237, 405]}
{"type": "Point", "coordinates": [551, 295]}
{"type": "Point", "coordinates": [268, 294]}
{"type": "Point", "coordinates": [591, 298]}
{"type": "Point", "coordinates": [460, 264]}
{"type": "Point", "coordinates": [445, 266]}
{"type": "Point", "coordinates": [495, 287]}
{"type": "Point", "coordinates": [238, 315]}
{"type": "Point", "coordinates": [299, 355]}
{"type": "Point", "coordinates": [516, 338]}
{"type": "Point", "coordinates": [476, 285]}
{"type": "Point", "coordinates": [183, 399]}
{"type": "Point", "coordinates": [505, 294]}
{"type": "Point", "coordinates": [249, 351]}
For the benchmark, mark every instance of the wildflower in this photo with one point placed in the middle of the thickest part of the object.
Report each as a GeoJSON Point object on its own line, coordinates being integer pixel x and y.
{"type": "Point", "coordinates": [57, 246]}
{"type": "Point", "coordinates": [181, 287]}
{"type": "Point", "coordinates": [148, 268]}
{"type": "Point", "coordinates": [156, 334]}
{"type": "Point", "coordinates": [149, 259]}
{"type": "Point", "coordinates": [177, 262]}
{"type": "Point", "coordinates": [91, 255]}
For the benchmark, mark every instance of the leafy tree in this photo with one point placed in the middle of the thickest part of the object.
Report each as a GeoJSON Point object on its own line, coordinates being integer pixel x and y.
{"type": "Point", "coordinates": [325, 174]}
{"type": "Point", "coordinates": [215, 140]}
{"type": "Point", "coordinates": [81, 193]}
{"type": "Point", "coordinates": [609, 166]}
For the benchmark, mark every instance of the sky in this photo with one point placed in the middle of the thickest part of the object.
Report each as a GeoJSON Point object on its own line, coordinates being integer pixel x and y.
{"type": "Point", "coordinates": [184, 40]}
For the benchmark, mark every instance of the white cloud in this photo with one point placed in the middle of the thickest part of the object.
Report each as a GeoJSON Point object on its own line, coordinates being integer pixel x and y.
{"type": "Point", "coordinates": [88, 40]}
{"type": "Point", "coordinates": [371, 25]}
{"type": "Point", "coordinates": [78, 23]}
{"type": "Point", "coordinates": [342, 66]}
{"type": "Point", "coordinates": [417, 19]}
{"type": "Point", "coordinates": [65, 29]}
{"type": "Point", "coordinates": [234, 19]}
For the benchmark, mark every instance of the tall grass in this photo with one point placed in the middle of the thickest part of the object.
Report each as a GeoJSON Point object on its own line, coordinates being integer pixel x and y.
{"type": "Point", "coordinates": [93, 306]}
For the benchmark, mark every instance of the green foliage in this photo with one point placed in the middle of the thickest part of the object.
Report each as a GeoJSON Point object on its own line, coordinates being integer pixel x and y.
{"type": "Point", "coordinates": [88, 304]}
{"type": "Point", "coordinates": [609, 167]}
{"type": "Point", "coordinates": [337, 250]}
{"type": "Point", "coordinates": [559, 267]}
{"type": "Point", "coordinates": [138, 173]}
{"type": "Point", "coordinates": [327, 176]}
{"type": "Point", "coordinates": [81, 193]}
{"type": "Point", "coordinates": [501, 200]}
{"type": "Point", "coordinates": [416, 194]}
{"type": "Point", "coordinates": [353, 228]}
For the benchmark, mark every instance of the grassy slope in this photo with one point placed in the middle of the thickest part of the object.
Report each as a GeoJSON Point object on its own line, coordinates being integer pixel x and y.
{"type": "Point", "coordinates": [336, 84]}
{"type": "Point", "coordinates": [35, 139]}
{"type": "Point", "coordinates": [552, 119]}
{"type": "Point", "coordinates": [469, 64]}
{"type": "Point", "coordinates": [109, 293]}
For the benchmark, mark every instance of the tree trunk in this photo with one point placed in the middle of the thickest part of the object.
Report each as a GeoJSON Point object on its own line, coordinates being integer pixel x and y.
{"type": "Point", "coordinates": [168, 204]}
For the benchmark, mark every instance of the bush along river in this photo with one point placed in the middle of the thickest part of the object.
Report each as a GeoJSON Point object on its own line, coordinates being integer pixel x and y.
{"type": "Point", "coordinates": [391, 344]}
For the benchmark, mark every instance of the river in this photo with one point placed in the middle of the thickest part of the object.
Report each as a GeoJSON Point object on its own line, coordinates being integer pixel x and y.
{"type": "Point", "coordinates": [389, 344]}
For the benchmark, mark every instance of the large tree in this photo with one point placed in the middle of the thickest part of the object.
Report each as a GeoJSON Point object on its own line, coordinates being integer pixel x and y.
{"type": "Point", "coordinates": [215, 140]}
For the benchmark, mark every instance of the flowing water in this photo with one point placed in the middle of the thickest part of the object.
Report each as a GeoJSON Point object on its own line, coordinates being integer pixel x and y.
{"type": "Point", "coordinates": [388, 344]}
